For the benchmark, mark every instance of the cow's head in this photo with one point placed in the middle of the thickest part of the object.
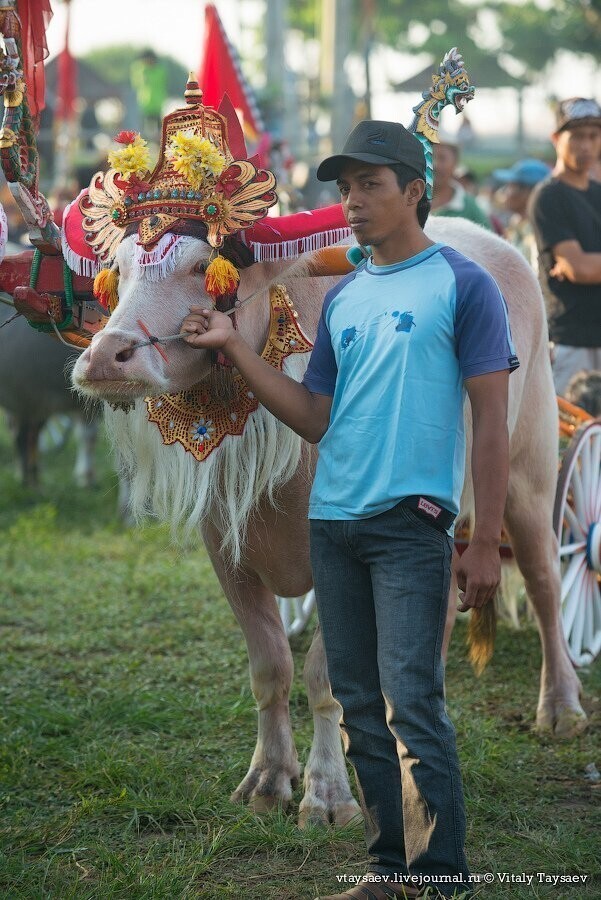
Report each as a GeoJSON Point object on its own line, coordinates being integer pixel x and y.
{"type": "Point", "coordinates": [157, 232]}
{"type": "Point", "coordinates": [114, 368]}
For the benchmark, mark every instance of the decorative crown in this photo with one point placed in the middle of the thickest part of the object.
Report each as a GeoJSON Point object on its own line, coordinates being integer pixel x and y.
{"type": "Point", "coordinates": [202, 177]}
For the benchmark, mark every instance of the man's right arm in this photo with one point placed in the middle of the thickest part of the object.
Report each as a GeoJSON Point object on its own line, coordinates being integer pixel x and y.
{"type": "Point", "coordinates": [555, 235]}
{"type": "Point", "coordinates": [292, 403]}
{"type": "Point", "coordinates": [574, 264]}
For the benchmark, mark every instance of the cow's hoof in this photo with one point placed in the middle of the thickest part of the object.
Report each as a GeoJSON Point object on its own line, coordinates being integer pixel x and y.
{"type": "Point", "coordinates": [261, 805]}
{"type": "Point", "coordinates": [327, 800]}
{"type": "Point", "coordinates": [339, 814]}
{"type": "Point", "coordinates": [562, 721]}
{"type": "Point", "coordinates": [266, 789]}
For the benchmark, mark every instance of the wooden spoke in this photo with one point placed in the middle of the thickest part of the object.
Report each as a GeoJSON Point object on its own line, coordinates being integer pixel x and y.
{"type": "Point", "coordinates": [576, 568]}
{"type": "Point", "coordinates": [578, 495]}
{"type": "Point", "coordinates": [573, 600]}
{"type": "Point", "coordinates": [569, 549]}
{"type": "Point", "coordinates": [596, 473]}
{"type": "Point", "coordinates": [577, 631]}
{"type": "Point", "coordinates": [577, 523]}
{"type": "Point", "coordinates": [296, 612]}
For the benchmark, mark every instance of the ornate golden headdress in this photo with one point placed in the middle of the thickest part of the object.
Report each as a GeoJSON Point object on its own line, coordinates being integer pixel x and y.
{"type": "Point", "coordinates": [202, 184]}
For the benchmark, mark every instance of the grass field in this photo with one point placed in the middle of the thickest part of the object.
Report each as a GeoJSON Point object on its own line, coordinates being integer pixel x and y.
{"type": "Point", "coordinates": [127, 720]}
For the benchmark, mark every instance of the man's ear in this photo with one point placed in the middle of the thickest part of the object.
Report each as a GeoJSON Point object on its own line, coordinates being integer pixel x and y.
{"type": "Point", "coordinates": [415, 191]}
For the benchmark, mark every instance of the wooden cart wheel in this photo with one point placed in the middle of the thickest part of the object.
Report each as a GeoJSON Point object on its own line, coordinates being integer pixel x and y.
{"type": "Point", "coordinates": [577, 524]}
{"type": "Point", "coordinates": [296, 612]}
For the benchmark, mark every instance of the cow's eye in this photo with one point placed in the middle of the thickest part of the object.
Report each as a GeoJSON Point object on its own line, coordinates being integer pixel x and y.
{"type": "Point", "coordinates": [200, 268]}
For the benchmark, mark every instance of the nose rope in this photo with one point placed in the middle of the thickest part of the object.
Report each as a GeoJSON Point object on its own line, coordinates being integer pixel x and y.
{"type": "Point", "coordinates": [10, 319]}
{"type": "Point", "coordinates": [60, 337]}
{"type": "Point", "coordinates": [152, 340]}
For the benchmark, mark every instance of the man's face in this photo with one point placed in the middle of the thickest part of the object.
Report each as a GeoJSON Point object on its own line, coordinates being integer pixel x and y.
{"type": "Point", "coordinates": [578, 148]}
{"type": "Point", "coordinates": [373, 203]}
{"type": "Point", "coordinates": [515, 197]}
{"type": "Point", "coordinates": [445, 162]}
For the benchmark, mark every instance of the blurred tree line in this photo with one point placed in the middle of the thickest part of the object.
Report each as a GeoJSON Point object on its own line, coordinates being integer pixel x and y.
{"type": "Point", "coordinates": [530, 32]}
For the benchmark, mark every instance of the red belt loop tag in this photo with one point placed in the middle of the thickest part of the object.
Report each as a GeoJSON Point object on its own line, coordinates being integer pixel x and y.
{"type": "Point", "coordinates": [153, 340]}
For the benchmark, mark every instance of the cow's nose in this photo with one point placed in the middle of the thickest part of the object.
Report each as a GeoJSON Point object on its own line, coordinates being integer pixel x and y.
{"type": "Point", "coordinates": [126, 353]}
{"type": "Point", "coordinates": [108, 354]}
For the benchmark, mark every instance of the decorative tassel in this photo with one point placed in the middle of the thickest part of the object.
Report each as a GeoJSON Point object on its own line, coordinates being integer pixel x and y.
{"type": "Point", "coordinates": [221, 277]}
{"type": "Point", "coordinates": [223, 387]}
{"type": "Point", "coordinates": [106, 289]}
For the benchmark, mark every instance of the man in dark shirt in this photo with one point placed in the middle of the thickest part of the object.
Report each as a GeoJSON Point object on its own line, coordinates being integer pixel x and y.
{"type": "Point", "coordinates": [566, 214]}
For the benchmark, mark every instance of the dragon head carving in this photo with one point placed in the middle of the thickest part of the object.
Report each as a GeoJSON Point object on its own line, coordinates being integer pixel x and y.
{"type": "Point", "coordinates": [450, 87]}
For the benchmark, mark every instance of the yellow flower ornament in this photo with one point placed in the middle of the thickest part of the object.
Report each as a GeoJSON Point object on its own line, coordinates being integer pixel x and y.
{"type": "Point", "coordinates": [195, 157]}
{"type": "Point", "coordinates": [132, 157]}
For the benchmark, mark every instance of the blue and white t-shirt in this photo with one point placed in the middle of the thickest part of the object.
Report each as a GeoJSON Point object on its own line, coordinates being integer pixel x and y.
{"type": "Point", "coordinates": [393, 348]}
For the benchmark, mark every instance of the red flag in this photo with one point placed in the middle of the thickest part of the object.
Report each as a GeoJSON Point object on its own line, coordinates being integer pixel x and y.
{"type": "Point", "coordinates": [220, 74]}
{"type": "Point", "coordinates": [67, 78]}
{"type": "Point", "coordinates": [35, 16]}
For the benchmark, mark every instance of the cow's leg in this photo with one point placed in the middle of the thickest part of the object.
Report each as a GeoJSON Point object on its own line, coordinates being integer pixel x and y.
{"type": "Point", "coordinates": [327, 794]}
{"type": "Point", "coordinates": [27, 437]}
{"type": "Point", "coordinates": [528, 518]}
{"type": "Point", "coordinates": [86, 434]}
{"type": "Point", "coordinates": [274, 770]}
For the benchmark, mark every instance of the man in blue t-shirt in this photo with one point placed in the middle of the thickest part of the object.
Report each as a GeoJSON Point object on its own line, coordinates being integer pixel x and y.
{"type": "Point", "coordinates": [399, 341]}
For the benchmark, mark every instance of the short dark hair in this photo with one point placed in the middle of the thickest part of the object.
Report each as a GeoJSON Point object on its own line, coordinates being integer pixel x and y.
{"type": "Point", "coordinates": [404, 174]}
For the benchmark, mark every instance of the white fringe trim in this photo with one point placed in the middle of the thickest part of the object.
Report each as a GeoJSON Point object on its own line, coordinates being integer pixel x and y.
{"type": "Point", "coordinates": [160, 262]}
{"type": "Point", "coordinates": [81, 265]}
{"type": "Point", "coordinates": [3, 233]}
{"type": "Point", "coordinates": [294, 248]}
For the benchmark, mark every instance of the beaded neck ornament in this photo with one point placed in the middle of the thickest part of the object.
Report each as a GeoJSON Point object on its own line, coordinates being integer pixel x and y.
{"type": "Point", "coordinates": [199, 421]}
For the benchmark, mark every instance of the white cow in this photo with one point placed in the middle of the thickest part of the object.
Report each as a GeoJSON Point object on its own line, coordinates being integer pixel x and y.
{"type": "Point", "coordinates": [249, 498]}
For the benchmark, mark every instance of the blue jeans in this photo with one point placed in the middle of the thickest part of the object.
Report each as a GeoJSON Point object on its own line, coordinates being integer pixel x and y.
{"type": "Point", "coordinates": [382, 586]}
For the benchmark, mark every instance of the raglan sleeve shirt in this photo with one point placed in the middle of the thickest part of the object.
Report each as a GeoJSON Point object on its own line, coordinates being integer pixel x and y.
{"type": "Point", "coordinates": [320, 377]}
{"type": "Point", "coordinates": [483, 341]}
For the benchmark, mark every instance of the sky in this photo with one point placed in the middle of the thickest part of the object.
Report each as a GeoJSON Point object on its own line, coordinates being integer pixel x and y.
{"type": "Point", "coordinates": [176, 27]}
{"type": "Point", "coordinates": [169, 26]}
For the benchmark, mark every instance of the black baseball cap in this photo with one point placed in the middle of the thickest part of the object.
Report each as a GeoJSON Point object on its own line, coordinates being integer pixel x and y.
{"type": "Point", "coordinates": [378, 143]}
{"type": "Point", "coordinates": [577, 111]}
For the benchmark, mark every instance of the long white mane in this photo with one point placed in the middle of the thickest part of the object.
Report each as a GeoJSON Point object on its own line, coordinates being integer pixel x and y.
{"type": "Point", "coordinates": [170, 484]}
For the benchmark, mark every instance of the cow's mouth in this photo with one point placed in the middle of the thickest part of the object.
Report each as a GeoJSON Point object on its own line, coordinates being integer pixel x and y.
{"type": "Point", "coordinates": [116, 391]}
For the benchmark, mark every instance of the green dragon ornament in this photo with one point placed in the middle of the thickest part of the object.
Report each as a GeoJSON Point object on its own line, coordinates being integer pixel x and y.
{"type": "Point", "coordinates": [450, 87]}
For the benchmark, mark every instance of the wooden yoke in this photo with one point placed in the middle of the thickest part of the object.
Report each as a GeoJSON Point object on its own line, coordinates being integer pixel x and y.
{"type": "Point", "coordinates": [44, 293]}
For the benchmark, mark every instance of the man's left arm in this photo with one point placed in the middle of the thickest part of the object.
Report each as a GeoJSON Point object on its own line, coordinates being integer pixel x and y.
{"type": "Point", "coordinates": [479, 569]}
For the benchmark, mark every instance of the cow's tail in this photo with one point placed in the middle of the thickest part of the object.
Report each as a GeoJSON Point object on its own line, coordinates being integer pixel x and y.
{"type": "Point", "coordinates": [481, 634]}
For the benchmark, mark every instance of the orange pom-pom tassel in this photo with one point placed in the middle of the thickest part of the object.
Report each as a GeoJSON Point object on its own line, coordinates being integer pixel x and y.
{"type": "Point", "coordinates": [106, 289]}
{"type": "Point", "coordinates": [221, 277]}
